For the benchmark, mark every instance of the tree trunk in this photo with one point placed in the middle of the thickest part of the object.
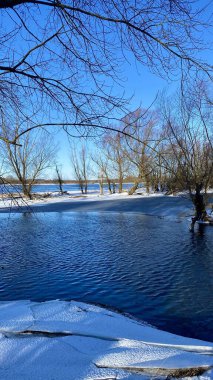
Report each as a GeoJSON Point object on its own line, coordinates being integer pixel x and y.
{"type": "Point", "coordinates": [120, 186]}
{"type": "Point", "coordinates": [133, 188]}
{"type": "Point", "coordinates": [60, 187]}
{"type": "Point", "coordinates": [26, 190]}
{"type": "Point", "coordinates": [81, 187]}
{"type": "Point", "coordinates": [200, 207]}
{"type": "Point", "coordinates": [101, 187]}
{"type": "Point", "coordinates": [109, 185]}
{"type": "Point", "coordinates": [199, 203]}
{"type": "Point", "coordinates": [147, 184]}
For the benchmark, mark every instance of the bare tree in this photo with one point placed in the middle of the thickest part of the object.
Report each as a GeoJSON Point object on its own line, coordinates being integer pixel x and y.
{"type": "Point", "coordinates": [102, 163]}
{"type": "Point", "coordinates": [64, 57]}
{"type": "Point", "coordinates": [59, 178]}
{"type": "Point", "coordinates": [140, 152]}
{"type": "Point", "coordinates": [114, 149]}
{"type": "Point", "coordinates": [80, 164]}
{"type": "Point", "coordinates": [29, 158]}
{"type": "Point", "coordinates": [189, 153]}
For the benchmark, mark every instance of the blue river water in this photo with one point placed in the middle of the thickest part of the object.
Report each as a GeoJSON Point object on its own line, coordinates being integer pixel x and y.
{"type": "Point", "coordinates": [54, 187]}
{"type": "Point", "coordinates": [149, 267]}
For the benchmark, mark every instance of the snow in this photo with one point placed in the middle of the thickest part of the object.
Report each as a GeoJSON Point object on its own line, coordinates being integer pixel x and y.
{"type": "Point", "coordinates": [69, 196]}
{"type": "Point", "coordinates": [72, 340]}
{"type": "Point", "coordinates": [42, 198]}
{"type": "Point", "coordinates": [93, 202]}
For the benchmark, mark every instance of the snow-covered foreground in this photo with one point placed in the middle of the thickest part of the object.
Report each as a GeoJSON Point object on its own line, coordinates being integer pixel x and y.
{"type": "Point", "coordinates": [61, 340]}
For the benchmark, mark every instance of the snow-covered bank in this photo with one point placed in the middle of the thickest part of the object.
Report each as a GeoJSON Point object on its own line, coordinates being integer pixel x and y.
{"type": "Point", "coordinates": [54, 197]}
{"type": "Point", "coordinates": [71, 340]}
{"type": "Point", "coordinates": [155, 204]}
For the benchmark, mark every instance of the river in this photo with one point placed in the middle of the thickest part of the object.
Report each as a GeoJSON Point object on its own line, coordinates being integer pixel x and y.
{"type": "Point", "coordinates": [120, 253]}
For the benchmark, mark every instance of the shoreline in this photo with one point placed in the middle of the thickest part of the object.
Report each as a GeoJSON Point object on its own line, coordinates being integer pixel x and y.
{"type": "Point", "coordinates": [159, 205]}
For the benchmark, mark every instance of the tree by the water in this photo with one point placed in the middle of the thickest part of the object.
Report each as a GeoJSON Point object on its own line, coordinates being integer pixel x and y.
{"type": "Point", "coordinates": [187, 154]}
{"type": "Point", "coordinates": [29, 158]}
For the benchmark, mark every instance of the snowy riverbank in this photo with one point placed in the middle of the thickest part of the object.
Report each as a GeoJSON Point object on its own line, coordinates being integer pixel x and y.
{"type": "Point", "coordinates": [54, 197]}
{"type": "Point", "coordinates": [156, 204]}
{"type": "Point", "coordinates": [71, 340]}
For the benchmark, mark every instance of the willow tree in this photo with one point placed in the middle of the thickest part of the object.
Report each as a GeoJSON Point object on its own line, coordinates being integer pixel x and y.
{"type": "Point", "coordinates": [140, 152]}
{"type": "Point", "coordinates": [80, 164]}
{"type": "Point", "coordinates": [60, 59]}
{"type": "Point", "coordinates": [29, 158]}
{"type": "Point", "coordinates": [188, 154]}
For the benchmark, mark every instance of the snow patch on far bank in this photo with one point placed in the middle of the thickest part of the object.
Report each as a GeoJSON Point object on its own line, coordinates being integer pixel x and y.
{"type": "Point", "coordinates": [158, 209]}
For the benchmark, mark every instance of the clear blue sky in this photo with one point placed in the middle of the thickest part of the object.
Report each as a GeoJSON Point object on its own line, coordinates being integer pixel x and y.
{"type": "Point", "coordinates": [141, 85]}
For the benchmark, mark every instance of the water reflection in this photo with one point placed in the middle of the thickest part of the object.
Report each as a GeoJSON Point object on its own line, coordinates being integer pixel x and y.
{"type": "Point", "coordinates": [149, 267]}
